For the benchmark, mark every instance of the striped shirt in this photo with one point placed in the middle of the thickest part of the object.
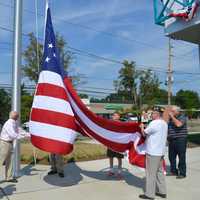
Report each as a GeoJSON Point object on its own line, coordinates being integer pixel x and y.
{"type": "Point", "coordinates": [177, 132]}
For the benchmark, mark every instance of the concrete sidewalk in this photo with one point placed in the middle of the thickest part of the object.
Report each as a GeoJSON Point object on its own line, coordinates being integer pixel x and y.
{"type": "Point", "coordinates": [88, 181]}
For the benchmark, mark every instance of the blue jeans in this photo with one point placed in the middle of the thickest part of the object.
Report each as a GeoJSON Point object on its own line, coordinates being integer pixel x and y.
{"type": "Point", "coordinates": [177, 147]}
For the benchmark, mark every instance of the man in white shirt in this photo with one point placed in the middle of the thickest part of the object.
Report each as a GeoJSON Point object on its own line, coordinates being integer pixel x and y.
{"type": "Point", "coordinates": [9, 133]}
{"type": "Point", "coordinates": [156, 137]}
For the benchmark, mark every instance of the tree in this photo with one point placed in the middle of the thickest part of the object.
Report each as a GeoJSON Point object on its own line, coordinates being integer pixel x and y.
{"type": "Point", "coordinates": [5, 105]}
{"type": "Point", "coordinates": [149, 88]}
{"type": "Point", "coordinates": [26, 104]}
{"type": "Point", "coordinates": [187, 99]}
{"type": "Point", "coordinates": [126, 85]}
{"type": "Point", "coordinates": [83, 96]}
{"type": "Point", "coordinates": [33, 56]}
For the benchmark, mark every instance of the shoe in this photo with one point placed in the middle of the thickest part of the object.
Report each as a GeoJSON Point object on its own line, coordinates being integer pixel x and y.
{"type": "Point", "coordinates": [172, 174]}
{"type": "Point", "coordinates": [164, 196]}
{"type": "Point", "coordinates": [180, 177]}
{"type": "Point", "coordinates": [110, 173]}
{"type": "Point", "coordinates": [14, 180]}
{"type": "Point", "coordinates": [119, 176]}
{"type": "Point", "coordinates": [61, 175]}
{"type": "Point", "coordinates": [143, 196]}
{"type": "Point", "coordinates": [52, 172]}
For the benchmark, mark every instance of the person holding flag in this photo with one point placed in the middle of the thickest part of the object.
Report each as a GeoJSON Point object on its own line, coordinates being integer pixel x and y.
{"type": "Point", "coordinates": [156, 138]}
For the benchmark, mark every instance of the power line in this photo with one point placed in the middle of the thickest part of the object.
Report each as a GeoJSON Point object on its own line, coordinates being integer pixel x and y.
{"type": "Point", "coordinates": [99, 31]}
{"type": "Point", "coordinates": [85, 53]}
{"type": "Point", "coordinates": [97, 88]}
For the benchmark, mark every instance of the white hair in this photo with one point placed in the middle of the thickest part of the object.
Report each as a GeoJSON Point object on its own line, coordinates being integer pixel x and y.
{"type": "Point", "coordinates": [176, 108]}
{"type": "Point", "coordinates": [12, 113]}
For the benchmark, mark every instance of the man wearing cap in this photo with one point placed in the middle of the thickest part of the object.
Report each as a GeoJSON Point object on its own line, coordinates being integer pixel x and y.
{"type": "Point", "coordinates": [156, 137]}
{"type": "Point", "coordinates": [177, 139]}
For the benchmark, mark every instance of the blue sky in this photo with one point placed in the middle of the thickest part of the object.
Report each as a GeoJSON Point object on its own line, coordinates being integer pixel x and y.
{"type": "Point", "coordinates": [126, 30]}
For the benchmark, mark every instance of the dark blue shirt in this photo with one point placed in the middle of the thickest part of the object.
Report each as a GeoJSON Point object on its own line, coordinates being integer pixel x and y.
{"type": "Point", "coordinates": [177, 132]}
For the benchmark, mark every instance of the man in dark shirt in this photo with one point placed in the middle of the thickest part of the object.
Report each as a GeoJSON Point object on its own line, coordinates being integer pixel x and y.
{"type": "Point", "coordinates": [177, 139]}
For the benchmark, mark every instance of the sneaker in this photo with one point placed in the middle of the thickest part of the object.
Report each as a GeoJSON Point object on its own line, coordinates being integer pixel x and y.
{"type": "Point", "coordinates": [52, 172]}
{"type": "Point", "coordinates": [143, 196]}
{"type": "Point", "coordinates": [119, 176]}
{"type": "Point", "coordinates": [180, 177]}
{"type": "Point", "coordinates": [171, 174]}
{"type": "Point", "coordinates": [110, 173]}
{"type": "Point", "coordinates": [161, 195]}
{"type": "Point", "coordinates": [61, 175]}
{"type": "Point", "coordinates": [14, 180]}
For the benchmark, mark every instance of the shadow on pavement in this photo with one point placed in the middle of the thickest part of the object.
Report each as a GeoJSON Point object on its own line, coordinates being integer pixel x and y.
{"type": "Point", "coordinates": [29, 170]}
{"type": "Point", "coordinates": [7, 190]}
{"type": "Point", "coordinates": [74, 174]}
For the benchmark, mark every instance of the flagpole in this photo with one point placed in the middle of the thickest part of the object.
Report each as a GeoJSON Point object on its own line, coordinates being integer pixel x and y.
{"type": "Point", "coordinates": [16, 93]}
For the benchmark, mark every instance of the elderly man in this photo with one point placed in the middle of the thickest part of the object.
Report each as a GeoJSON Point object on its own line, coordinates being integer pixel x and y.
{"type": "Point", "coordinates": [8, 134]}
{"type": "Point", "coordinates": [177, 139]}
{"type": "Point", "coordinates": [156, 137]}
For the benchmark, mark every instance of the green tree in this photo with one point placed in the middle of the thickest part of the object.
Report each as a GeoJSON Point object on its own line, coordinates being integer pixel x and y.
{"type": "Point", "coordinates": [83, 96]}
{"type": "Point", "coordinates": [33, 55]}
{"type": "Point", "coordinates": [26, 104]}
{"type": "Point", "coordinates": [187, 99]}
{"type": "Point", "coordinates": [5, 105]}
{"type": "Point", "coordinates": [149, 88]}
{"type": "Point", "coordinates": [126, 85]}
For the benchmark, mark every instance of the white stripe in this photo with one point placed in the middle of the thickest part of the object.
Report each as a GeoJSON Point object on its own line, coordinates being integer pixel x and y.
{"type": "Point", "coordinates": [51, 78]}
{"type": "Point", "coordinates": [52, 132]}
{"type": "Point", "coordinates": [122, 138]}
{"type": "Point", "coordinates": [140, 149]}
{"type": "Point", "coordinates": [52, 104]}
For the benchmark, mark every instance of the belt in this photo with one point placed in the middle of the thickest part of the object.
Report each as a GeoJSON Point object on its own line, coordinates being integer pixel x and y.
{"type": "Point", "coordinates": [10, 142]}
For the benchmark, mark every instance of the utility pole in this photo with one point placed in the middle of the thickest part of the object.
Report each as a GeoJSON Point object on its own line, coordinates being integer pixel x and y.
{"type": "Point", "coordinates": [16, 94]}
{"type": "Point", "coordinates": [169, 74]}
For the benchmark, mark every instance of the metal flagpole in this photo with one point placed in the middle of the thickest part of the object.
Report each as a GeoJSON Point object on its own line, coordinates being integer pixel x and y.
{"type": "Point", "coordinates": [16, 93]}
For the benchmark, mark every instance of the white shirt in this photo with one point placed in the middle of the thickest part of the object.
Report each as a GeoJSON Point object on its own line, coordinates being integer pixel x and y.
{"type": "Point", "coordinates": [156, 137]}
{"type": "Point", "coordinates": [9, 130]}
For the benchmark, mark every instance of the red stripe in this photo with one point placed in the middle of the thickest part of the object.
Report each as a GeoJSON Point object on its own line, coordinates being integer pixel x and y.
{"type": "Point", "coordinates": [108, 143]}
{"type": "Point", "coordinates": [52, 146]}
{"type": "Point", "coordinates": [136, 159]}
{"type": "Point", "coordinates": [126, 127]}
{"type": "Point", "coordinates": [46, 89]}
{"type": "Point", "coordinates": [53, 118]}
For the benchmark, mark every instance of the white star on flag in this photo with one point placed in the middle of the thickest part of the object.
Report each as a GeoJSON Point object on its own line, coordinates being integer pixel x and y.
{"type": "Point", "coordinates": [47, 59]}
{"type": "Point", "coordinates": [50, 45]}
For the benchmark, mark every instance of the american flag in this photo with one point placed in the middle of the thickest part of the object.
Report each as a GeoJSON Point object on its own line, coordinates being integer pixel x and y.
{"type": "Point", "coordinates": [52, 122]}
{"type": "Point", "coordinates": [57, 112]}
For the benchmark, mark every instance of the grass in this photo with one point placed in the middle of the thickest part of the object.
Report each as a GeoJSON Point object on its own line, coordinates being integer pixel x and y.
{"type": "Point", "coordinates": [82, 152]}
{"type": "Point", "coordinates": [194, 140]}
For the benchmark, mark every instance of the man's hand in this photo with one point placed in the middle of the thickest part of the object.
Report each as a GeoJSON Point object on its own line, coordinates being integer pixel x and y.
{"type": "Point", "coordinates": [142, 129]}
{"type": "Point", "coordinates": [171, 114]}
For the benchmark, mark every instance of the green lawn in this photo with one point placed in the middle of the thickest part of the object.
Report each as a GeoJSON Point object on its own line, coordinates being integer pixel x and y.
{"type": "Point", "coordinates": [82, 152]}
{"type": "Point", "coordinates": [194, 139]}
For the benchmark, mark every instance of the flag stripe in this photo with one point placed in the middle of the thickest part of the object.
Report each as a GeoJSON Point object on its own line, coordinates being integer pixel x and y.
{"type": "Point", "coordinates": [52, 132]}
{"type": "Point", "coordinates": [124, 127]}
{"type": "Point", "coordinates": [51, 78]}
{"type": "Point", "coordinates": [119, 147]}
{"type": "Point", "coordinates": [50, 145]}
{"type": "Point", "coordinates": [46, 89]}
{"type": "Point", "coordinates": [52, 104]}
{"type": "Point", "coordinates": [53, 118]}
{"type": "Point", "coordinates": [107, 134]}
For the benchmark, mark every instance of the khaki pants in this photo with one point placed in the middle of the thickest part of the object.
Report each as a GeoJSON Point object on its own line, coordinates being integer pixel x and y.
{"type": "Point", "coordinates": [5, 157]}
{"type": "Point", "coordinates": [57, 163]}
{"type": "Point", "coordinates": [155, 178]}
